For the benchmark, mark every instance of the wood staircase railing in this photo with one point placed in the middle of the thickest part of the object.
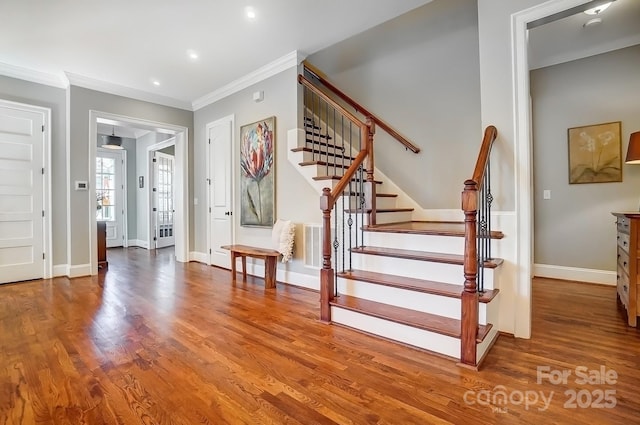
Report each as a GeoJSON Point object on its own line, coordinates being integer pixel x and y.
{"type": "Point", "coordinates": [319, 75]}
{"type": "Point", "coordinates": [476, 205]}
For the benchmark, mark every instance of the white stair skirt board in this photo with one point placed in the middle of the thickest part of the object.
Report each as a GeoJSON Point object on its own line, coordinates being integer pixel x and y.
{"type": "Point", "coordinates": [429, 243]}
{"type": "Point", "coordinates": [440, 272]}
{"type": "Point", "coordinates": [419, 301]}
{"type": "Point", "coordinates": [431, 341]}
{"type": "Point", "coordinates": [603, 277]}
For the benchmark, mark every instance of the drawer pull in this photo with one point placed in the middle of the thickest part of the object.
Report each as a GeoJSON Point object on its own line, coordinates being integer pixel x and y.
{"type": "Point", "coordinates": [624, 264]}
{"type": "Point", "coordinates": [624, 287]}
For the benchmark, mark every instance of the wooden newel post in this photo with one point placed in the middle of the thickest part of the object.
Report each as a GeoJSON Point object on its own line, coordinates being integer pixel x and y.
{"type": "Point", "coordinates": [469, 325]}
{"type": "Point", "coordinates": [327, 292]}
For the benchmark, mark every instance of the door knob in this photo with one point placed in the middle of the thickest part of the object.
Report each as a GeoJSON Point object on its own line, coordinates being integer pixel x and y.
{"type": "Point", "coordinates": [227, 213]}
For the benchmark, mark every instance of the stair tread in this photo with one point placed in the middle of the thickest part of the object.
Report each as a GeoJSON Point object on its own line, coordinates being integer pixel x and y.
{"type": "Point", "coordinates": [440, 228]}
{"type": "Point", "coordinates": [323, 152]}
{"type": "Point", "coordinates": [378, 194]}
{"type": "Point", "coordinates": [337, 178]}
{"type": "Point", "coordinates": [436, 257]}
{"type": "Point", "coordinates": [323, 163]}
{"type": "Point", "coordinates": [417, 319]}
{"type": "Point", "coordinates": [378, 210]}
{"type": "Point", "coordinates": [413, 284]}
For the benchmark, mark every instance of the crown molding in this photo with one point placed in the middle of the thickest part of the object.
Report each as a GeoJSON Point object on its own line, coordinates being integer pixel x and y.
{"type": "Point", "coordinates": [283, 63]}
{"type": "Point", "coordinates": [118, 90]}
{"type": "Point", "coordinates": [28, 74]}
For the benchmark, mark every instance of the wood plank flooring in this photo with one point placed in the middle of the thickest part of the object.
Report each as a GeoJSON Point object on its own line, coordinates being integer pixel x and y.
{"type": "Point", "coordinates": [151, 341]}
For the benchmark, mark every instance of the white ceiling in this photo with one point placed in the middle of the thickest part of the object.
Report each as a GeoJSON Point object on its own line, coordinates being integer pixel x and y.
{"type": "Point", "coordinates": [131, 43]}
{"type": "Point", "coordinates": [121, 46]}
{"type": "Point", "coordinates": [568, 39]}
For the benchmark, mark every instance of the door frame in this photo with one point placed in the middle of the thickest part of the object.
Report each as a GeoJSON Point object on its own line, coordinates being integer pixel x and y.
{"type": "Point", "coordinates": [523, 153]}
{"type": "Point", "coordinates": [125, 222]}
{"type": "Point", "coordinates": [149, 192]}
{"type": "Point", "coordinates": [181, 174]}
{"type": "Point", "coordinates": [229, 118]}
{"type": "Point", "coordinates": [47, 202]}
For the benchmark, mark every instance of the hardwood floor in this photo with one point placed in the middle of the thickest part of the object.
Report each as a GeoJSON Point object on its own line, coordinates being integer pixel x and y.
{"type": "Point", "coordinates": [151, 341]}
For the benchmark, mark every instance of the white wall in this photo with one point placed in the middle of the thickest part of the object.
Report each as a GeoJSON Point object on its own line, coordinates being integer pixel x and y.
{"type": "Point", "coordinates": [295, 199]}
{"type": "Point", "coordinates": [575, 227]}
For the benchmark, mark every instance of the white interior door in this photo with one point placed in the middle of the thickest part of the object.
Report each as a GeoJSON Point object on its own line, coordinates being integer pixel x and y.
{"type": "Point", "coordinates": [220, 202]}
{"type": "Point", "coordinates": [110, 194]}
{"type": "Point", "coordinates": [21, 193]}
{"type": "Point", "coordinates": [163, 191]}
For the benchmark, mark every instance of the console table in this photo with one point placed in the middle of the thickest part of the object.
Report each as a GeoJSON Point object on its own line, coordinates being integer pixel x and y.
{"type": "Point", "coordinates": [628, 269]}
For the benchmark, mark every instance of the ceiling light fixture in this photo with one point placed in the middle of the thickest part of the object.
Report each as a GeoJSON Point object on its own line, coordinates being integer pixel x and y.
{"type": "Point", "coordinates": [113, 141]}
{"type": "Point", "coordinates": [250, 12]}
{"type": "Point", "coordinates": [598, 9]}
{"type": "Point", "coordinates": [193, 55]}
{"type": "Point", "coordinates": [156, 83]}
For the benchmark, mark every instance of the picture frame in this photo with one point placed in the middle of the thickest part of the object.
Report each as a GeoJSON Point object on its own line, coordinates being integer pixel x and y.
{"type": "Point", "coordinates": [595, 153]}
{"type": "Point", "coordinates": [257, 176]}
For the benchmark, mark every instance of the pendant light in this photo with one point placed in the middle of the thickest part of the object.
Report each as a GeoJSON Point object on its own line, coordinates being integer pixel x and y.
{"type": "Point", "coordinates": [113, 141]}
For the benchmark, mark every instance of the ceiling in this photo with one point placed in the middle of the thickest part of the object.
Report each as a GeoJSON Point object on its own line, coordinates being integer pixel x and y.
{"type": "Point", "coordinates": [131, 44]}
{"type": "Point", "coordinates": [122, 46]}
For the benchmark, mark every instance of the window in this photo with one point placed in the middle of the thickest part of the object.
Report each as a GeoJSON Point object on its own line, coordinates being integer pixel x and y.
{"type": "Point", "coordinates": [105, 189]}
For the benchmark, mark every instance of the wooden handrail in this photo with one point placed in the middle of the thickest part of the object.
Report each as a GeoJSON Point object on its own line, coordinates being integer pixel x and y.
{"type": "Point", "coordinates": [490, 134]}
{"type": "Point", "coordinates": [308, 84]}
{"type": "Point", "coordinates": [386, 127]}
{"type": "Point", "coordinates": [347, 177]}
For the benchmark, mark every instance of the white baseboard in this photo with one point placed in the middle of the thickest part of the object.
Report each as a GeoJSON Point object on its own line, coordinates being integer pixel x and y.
{"type": "Point", "coordinates": [60, 270]}
{"type": "Point", "coordinates": [80, 270]}
{"type": "Point", "coordinates": [603, 277]}
{"type": "Point", "coordinates": [138, 242]}
{"type": "Point", "coordinates": [291, 278]}
{"type": "Point", "coordinates": [200, 257]}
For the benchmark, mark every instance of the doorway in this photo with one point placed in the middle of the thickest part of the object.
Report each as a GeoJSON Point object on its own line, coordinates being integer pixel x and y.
{"type": "Point", "coordinates": [111, 195]}
{"type": "Point", "coordinates": [162, 197]}
{"type": "Point", "coordinates": [181, 170]}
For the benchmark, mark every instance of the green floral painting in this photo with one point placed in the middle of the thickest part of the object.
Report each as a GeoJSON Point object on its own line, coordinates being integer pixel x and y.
{"type": "Point", "coordinates": [257, 197]}
{"type": "Point", "coordinates": [595, 153]}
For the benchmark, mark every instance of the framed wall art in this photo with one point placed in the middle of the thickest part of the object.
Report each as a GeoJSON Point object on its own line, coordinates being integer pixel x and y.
{"type": "Point", "coordinates": [595, 153]}
{"type": "Point", "coordinates": [257, 180]}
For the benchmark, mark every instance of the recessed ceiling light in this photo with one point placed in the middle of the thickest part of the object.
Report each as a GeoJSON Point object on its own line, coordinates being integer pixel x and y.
{"type": "Point", "coordinates": [250, 12]}
{"type": "Point", "coordinates": [193, 55]}
{"type": "Point", "coordinates": [156, 83]}
{"type": "Point", "coordinates": [598, 9]}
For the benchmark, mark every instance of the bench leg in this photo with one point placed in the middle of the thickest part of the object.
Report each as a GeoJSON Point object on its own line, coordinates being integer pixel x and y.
{"type": "Point", "coordinates": [244, 268]}
{"type": "Point", "coordinates": [270, 272]}
{"type": "Point", "coordinates": [233, 265]}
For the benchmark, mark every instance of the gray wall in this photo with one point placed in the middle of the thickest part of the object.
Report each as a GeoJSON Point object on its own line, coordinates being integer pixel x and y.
{"type": "Point", "coordinates": [296, 200]}
{"type": "Point", "coordinates": [575, 227]}
{"type": "Point", "coordinates": [55, 99]}
{"type": "Point", "coordinates": [83, 100]}
{"type": "Point", "coordinates": [420, 73]}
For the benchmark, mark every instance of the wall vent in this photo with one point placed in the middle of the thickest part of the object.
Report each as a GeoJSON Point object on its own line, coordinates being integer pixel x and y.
{"type": "Point", "coordinates": [313, 246]}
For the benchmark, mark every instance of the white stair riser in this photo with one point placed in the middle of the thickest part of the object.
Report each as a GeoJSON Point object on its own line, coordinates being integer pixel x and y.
{"type": "Point", "coordinates": [440, 272]}
{"type": "Point", "coordinates": [420, 301]}
{"type": "Point", "coordinates": [390, 217]}
{"type": "Point", "coordinates": [382, 202]}
{"type": "Point", "coordinates": [409, 335]}
{"type": "Point", "coordinates": [323, 170]}
{"type": "Point", "coordinates": [325, 152]}
{"type": "Point", "coordinates": [429, 243]}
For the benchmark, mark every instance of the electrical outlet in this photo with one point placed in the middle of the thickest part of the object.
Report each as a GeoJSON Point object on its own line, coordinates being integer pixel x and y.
{"type": "Point", "coordinates": [546, 194]}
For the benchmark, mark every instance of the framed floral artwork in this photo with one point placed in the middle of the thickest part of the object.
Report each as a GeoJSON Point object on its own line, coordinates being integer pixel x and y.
{"type": "Point", "coordinates": [595, 153]}
{"type": "Point", "coordinates": [257, 180]}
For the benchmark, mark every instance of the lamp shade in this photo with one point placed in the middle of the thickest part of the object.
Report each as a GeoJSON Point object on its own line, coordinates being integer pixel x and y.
{"type": "Point", "coordinates": [633, 151]}
{"type": "Point", "coordinates": [113, 141]}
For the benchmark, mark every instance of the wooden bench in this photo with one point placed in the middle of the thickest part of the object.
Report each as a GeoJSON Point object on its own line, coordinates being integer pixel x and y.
{"type": "Point", "coordinates": [270, 256]}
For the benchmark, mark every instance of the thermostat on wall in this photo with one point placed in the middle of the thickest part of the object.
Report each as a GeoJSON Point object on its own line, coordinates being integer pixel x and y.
{"type": "Point", "coordinates": [82, 185]}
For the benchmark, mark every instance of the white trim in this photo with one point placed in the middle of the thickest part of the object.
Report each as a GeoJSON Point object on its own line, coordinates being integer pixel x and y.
{"type": "Point", "coordinates": [80, 270]}
{"type": "Point", "coordinates": [47, 203]}
{"type": "Point", "coordinates": [290, 60]}
{"type": "Point", "coordinates": [34, 76]}
{"type": "Point", "coordinates": [209, 177]}
{"type": "Point", "coordinates": [60, 270]}
{"type": "Point", "coordinates": [199, 257]}
{"type": "Point", "coordinates": [286, 276]}
{"type": "Point", "coordinates": [603, 277]}
{"type": "Point", "coordinates": [181, 181]}
{"type": "Point", "coordinates": [68, 172]}
{"type": "Point", "coordinates": [522, 155]}
{"type": "Point", "coordinates": [138, 242]}
{"type": "Point", "coordinates": [118, 90]}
